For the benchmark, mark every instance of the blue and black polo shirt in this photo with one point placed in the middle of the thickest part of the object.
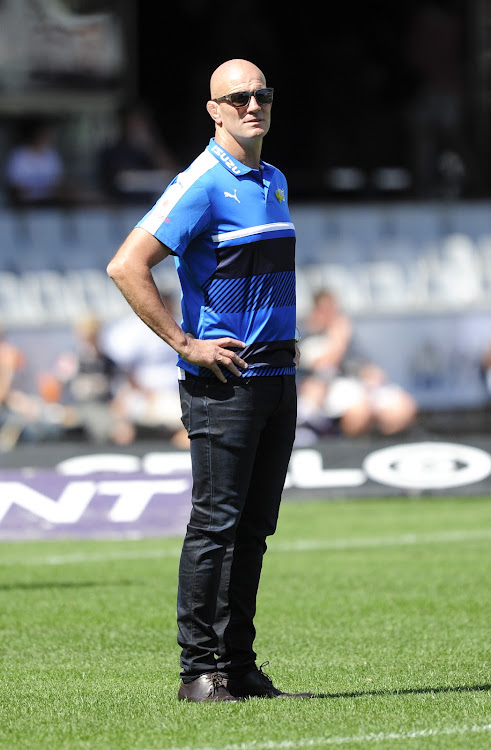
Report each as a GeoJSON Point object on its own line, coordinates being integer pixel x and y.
{"type": "Point", "coordinates": [230, 231]}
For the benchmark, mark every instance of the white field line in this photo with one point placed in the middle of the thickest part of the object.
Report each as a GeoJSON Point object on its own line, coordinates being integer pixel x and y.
{"type": "Point", "coordinates": [403, 540]}
{"type": "Point", "coordinates": [301, 545]}
{"type": "Point", "coordinates": [355, 740]}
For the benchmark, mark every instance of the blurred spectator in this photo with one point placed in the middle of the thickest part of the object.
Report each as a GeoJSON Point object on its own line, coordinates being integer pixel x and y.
{"type": "Point", "coordinates": [435, 116]}
{"type": "Point", "coordinates": [11, 360]}
{"type": "Point", "coordinates": [91, 379]}
{"type": "Point", "coordinates": [24, 415]}
{"type": "Point", "coordinates": [150, 396]}
{"type": "Point", "coordinates": [137, 166]}
{"type": "Point", "coordinates": [34, 171]}
{"type": "Point", "coordinates": [340, 388]}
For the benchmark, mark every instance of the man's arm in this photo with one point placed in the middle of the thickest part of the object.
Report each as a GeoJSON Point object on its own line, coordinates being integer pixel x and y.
{"type": "Point", "coordinates": [130, 269]}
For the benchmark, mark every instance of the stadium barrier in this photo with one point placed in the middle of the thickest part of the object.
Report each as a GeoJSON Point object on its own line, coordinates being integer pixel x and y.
{"type": "Point", "coordinates": [82, 491]}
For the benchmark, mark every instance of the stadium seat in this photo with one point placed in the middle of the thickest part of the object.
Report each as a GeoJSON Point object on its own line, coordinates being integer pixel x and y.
{"type": "Point", "coordinates": [413, 222]}
{"type": "Point", "coordinates": [96, 292]}
{"type": "Point", "coordinates": [459, 248]}
{"type": "Point", "coordinates": [351, 290]}
{"type": "Point", "coordinates": [395, 247]}
{"type": "Point", "coordinates": [360, 227]}
{"type": "Point", "coordinates": [9, 241]}
{"type": "Point", "coordinates": [484, 249]}
{"type": "Point", "coordinates": [125, 219]}
{"type": "Point", "coordinates": [456, 276]}
{"type": "Point", "coordinates": [337, 234]}
{"type": "Point", "coordinates": [48, 290]}
{"type": "Point", "coordinates": [48, 297]}
{"type": "Point", "coordinates": [43, 239]}
{"type": "Point", "coordinates": [9, 297]}
{"type": "Point", "coordinates": [471, 219]}
{"type": "Point", "coordinates": [418, 275]}
{"type": "Point", "coordinates": [310, 229]}
{"type": "Point", "coordinates": [20, 301]}
{"type": "Point", "coordinates": [342, 249]}
{"type": "Point", "coordinates": [388, 285]}
{"type": "Point", "coordinates": [304, 295]}
{"type": "Point", "coordinates": [94, 240]}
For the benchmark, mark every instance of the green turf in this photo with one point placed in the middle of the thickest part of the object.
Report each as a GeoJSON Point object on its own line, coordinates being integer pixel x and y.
{"type": "Point", "coordinates": [380, 607]}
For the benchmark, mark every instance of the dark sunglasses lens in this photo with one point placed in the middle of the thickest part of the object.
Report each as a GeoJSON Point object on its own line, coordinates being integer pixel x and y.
{"type": "Point", "coordinates": [242, 98]}
{"type": "Point", "coordinates": [264, 96]}
{"type": "Point", "coordinates": [239, 98]}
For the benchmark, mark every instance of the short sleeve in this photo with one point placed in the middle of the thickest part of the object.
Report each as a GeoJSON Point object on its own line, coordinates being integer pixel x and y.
{"type": "Point", "coordinates": [180, 215]}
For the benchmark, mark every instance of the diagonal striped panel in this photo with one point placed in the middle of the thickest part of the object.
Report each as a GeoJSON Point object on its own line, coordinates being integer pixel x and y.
{"type": "Point", "coordinates": [256, 292]}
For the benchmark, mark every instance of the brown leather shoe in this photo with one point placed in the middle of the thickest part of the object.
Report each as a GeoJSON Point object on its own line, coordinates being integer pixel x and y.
{"type": "Point", "coordinates": [208, 687]}
{"type": "Point", "coordinates": [257, 683]}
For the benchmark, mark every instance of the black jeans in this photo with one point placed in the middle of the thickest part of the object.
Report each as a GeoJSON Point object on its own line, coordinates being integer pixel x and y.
{"type": "Point", "coordinates": [241, 434]}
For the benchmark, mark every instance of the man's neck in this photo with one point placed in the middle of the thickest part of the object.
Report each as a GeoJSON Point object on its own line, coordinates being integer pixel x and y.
{"type": "Point", "coordinates": [248, 153]}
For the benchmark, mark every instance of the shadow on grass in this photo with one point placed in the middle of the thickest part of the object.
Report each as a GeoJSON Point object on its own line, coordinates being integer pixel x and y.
{"type": "Point", "coordinates": [407, 691]}
{"type": "Point", "coordinates": [63, 585]}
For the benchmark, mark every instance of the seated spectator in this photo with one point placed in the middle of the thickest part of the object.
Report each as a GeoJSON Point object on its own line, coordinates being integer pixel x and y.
{"type": "Point", "coordinates": [150, 396]}
{"type": "Point", "coordinates": [11, 360]}
{"type": "Point", "coordinates": [137, 167]}
{"type": "Point", "coordinates": [90, 379]}
{"type": "Point", "coordinates": [341, 389]}
{"type": "Point", "coordinates": [35, 173]}
{"type": "Point", "coordinates": [24, 415]}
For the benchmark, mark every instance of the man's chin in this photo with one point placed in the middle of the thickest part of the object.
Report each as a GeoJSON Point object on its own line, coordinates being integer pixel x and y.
{"type": "Point", "coordinates": [258, 129]}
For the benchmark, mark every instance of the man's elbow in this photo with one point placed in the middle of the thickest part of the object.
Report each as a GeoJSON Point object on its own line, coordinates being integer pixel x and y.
{"type": "Point", "coordinates": [116, 269]}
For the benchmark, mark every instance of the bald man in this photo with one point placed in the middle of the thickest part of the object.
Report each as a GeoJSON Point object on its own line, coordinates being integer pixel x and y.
{"type": "Point", "coordinates": [225, 220]}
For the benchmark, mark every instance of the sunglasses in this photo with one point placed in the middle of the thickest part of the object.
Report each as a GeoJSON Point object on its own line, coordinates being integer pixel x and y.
{"type": "Point", "coordinates": [240, 99]}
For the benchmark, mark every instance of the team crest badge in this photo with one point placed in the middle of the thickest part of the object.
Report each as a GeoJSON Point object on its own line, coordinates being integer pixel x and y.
{"type": "Point", "coordinates": [280, 194]}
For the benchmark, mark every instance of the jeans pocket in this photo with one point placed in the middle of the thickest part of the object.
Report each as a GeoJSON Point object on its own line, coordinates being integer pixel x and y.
{"type": "Point", "coordinates": [186, 395]}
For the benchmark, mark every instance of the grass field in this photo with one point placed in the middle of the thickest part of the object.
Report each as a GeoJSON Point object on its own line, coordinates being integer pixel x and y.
{"type": "Point", "coordinates": [382, 608]}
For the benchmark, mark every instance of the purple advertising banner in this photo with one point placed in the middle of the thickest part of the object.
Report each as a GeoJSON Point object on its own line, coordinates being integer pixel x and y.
{"type": "Point", "coordinates": [102, 505]}
{"type": "Point", "coordinates": [70, 492]}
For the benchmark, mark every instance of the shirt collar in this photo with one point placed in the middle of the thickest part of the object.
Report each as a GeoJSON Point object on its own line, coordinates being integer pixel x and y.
{"type": "Point", "coordinates": [228, 161]}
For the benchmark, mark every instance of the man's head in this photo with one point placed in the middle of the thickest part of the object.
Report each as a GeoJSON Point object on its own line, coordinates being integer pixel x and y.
{"type": "Point", "coordinates": [248, 122]}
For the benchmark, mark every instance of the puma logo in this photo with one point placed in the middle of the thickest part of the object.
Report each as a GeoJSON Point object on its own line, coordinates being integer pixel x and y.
{"type": "Point", "coordinates": [231, 195]}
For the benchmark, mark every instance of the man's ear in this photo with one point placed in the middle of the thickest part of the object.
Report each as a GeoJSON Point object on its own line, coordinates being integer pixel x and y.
{"type": "Point", "coordinates": [214, 112]}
